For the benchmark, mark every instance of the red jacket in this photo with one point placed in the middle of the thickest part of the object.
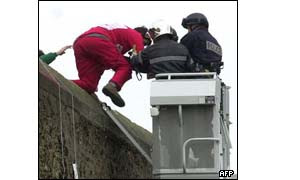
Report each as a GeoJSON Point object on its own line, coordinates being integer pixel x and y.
{"type": "Point", "coordinates": [122, 36]}
{"type": "Point", "coordinates": [95, 55]}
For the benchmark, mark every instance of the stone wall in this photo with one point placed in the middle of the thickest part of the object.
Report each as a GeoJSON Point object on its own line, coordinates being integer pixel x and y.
{"type": "Point", "coordinates": [74, 128]}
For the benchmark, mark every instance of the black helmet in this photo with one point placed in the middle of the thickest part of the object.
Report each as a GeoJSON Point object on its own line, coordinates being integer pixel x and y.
{"type": "Point", "coordinates": [144, 32]}
{"type": "Point", "coordinates": [142, 29]}
{"type": "Point", "coordinates": [174, 34]}
{"type": "Point", "coordinates": [194, 18]}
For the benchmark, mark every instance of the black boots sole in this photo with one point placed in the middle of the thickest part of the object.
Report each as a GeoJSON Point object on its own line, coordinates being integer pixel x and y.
{"type": "Point", "coordinates": [111, 91]}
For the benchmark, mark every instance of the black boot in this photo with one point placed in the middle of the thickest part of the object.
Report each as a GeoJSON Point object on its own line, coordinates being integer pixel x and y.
{"type": "Point", "coordinates": [111, 91]}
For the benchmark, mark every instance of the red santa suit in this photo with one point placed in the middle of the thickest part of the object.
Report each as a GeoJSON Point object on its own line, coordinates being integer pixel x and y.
{"type": "Point", "coordinates": [102, 48]}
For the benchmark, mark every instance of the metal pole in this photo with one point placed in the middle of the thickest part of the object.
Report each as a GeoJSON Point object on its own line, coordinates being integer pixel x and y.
{"type": "Point", "coordinates": [140, 149]}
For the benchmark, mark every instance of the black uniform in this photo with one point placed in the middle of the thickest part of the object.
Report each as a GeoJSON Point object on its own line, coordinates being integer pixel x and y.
{"type": "Point", "coordinates": [203, 47]}
{"type": "Point", "coordinates": [164, 56]}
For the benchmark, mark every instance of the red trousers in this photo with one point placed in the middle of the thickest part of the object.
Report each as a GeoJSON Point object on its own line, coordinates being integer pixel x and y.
{"type": "Point", "coordinates": [94, 55]}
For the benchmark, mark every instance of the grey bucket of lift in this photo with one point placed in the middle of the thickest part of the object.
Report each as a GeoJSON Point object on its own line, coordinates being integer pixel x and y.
{"type": "Point", "coordinates": [186, 125]}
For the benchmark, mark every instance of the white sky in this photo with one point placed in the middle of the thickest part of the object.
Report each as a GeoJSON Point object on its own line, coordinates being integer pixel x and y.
{"type": "Point", "coordinates": [61, 22]}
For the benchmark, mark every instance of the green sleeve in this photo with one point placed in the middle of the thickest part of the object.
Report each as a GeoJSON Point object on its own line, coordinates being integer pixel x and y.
{"type": "Point", "coordinates": [48, 58]}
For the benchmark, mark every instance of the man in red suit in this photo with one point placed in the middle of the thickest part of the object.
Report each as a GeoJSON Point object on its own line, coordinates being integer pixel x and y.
{"type": "Point", "coordinates": [102, 48]}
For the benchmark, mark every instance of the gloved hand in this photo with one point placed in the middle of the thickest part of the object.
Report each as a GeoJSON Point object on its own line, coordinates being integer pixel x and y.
{"type": "Point", "coordinates": [133, 60]}
{"type": "Point", "coordinates": [63, 49]}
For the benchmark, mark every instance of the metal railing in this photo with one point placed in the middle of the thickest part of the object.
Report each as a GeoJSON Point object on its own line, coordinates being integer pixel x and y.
{"type": "Point", "coordinates": [194, 139]}
{"type": "Point", "coordinates": [169, 76]}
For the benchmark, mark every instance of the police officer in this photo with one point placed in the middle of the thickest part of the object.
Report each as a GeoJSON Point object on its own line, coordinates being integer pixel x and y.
{"type": "Point", "coordinates": [203, 47]}
{"type": "Point", "coordinates": [165, 55]}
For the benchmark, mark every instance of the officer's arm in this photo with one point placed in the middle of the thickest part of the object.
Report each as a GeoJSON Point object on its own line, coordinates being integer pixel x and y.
{"type": "Point", "coordinates": [192, 43]}
{"type": "Point", "coordinates": [137, 62]}
{"type": "Point", "coordinates": [48, 58]}
{"type": "Point", "coordinates": [190, 65]}
{"type": "Point", "coordinates": [187, 41]}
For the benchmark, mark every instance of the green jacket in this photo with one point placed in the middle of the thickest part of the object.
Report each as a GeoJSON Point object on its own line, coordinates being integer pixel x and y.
{"type": "Point", "coordinates": [48, 58]}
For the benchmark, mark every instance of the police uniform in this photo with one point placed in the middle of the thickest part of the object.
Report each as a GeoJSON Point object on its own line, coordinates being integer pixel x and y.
{"type": "Point", "coordinates": [203, 48]}
{"type": "Point", "coordinates": [164, 56]}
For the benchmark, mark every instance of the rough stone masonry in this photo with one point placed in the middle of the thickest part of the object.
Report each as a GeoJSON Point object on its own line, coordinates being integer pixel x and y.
{"type": "Point", "coordinates": [74, 128]}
